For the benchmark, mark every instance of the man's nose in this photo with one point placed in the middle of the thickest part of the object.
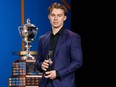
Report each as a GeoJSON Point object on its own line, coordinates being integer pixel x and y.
{"type": "Point", "coordinates": [56, 17]}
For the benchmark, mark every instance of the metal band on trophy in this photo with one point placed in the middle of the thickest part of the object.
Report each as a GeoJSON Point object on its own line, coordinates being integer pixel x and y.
{"type": "Point", "coordinates": [28, 32]}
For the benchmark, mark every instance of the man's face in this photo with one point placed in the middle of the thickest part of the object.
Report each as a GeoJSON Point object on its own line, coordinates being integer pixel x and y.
{"type": "Point", "coordinates": [57, 18]}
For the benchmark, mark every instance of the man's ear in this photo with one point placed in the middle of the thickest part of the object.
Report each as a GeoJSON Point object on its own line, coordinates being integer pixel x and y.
{"type": "Point", "coordinates": [65, 18]}
{"type": "Point", "coordinates": [48, 16]}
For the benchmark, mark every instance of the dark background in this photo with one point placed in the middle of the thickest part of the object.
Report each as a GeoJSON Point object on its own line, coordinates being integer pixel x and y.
{"type": "Point", "coordinates": [93, 20]}
{"type": "Point", "coordinates": [85, 76]}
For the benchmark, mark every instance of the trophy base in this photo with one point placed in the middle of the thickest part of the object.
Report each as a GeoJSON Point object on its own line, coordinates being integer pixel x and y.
{"type": "Point", "coordinates": [28, 58]}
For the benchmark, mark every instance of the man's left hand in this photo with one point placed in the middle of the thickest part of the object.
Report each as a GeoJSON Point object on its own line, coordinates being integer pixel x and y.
{"type": "Point", "coordinates": [51, 74]}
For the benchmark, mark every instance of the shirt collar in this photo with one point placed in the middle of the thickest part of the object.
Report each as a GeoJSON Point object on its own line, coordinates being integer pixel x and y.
{"type": "Point", "coordinates": [59, 32]}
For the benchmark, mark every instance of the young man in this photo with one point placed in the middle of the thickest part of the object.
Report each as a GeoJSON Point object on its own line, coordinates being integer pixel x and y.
{"type": "Point", "coordinates": [60, 52]}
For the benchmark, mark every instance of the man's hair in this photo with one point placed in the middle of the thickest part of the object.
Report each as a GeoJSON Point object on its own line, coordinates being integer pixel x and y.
{"type": "Point", "coordinates": [57, 6]}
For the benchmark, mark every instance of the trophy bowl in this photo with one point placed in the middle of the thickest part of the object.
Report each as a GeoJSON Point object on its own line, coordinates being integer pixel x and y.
{"type": "Point", "coordinates": [28, 32]}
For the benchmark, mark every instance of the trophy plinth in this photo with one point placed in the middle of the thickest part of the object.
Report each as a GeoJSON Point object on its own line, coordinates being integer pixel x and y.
{"type": "Point", "coordinates": [28, 32]}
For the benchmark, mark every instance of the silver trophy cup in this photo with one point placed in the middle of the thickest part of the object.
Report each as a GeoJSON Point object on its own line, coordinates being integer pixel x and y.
{"type": "Point", "coordinates": [28, 32]}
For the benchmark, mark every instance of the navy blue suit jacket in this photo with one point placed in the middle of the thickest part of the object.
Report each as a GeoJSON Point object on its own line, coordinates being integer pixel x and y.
{"type": "Point", "coordinates": [67, 57]}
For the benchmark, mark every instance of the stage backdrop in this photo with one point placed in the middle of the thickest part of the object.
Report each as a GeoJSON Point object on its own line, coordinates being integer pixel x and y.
{"type": "Point", "coordinates": [11, 18]}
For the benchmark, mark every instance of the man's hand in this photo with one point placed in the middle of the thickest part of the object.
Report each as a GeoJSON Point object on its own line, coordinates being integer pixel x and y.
{"type": "Point", "coordinates": [50, 74]}
{"type": "Point", "coordinates": [45, 64]}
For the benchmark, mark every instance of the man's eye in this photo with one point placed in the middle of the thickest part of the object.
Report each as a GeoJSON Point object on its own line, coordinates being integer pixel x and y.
{"type": "Point", "coordinates": [59, 15]}
{"type": "Point", "coordinates": [52, 15]}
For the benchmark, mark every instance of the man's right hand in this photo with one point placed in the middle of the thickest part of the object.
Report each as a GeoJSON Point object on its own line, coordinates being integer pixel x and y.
{"type": "Point", "coordinates": [45, 64]}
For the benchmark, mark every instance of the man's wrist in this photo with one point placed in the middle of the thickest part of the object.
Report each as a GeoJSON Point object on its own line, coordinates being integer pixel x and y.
{"type": "Point", "coordinates": [57, 74]}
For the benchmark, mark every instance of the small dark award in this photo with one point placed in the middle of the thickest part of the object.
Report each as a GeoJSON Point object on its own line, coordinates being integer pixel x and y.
{"type": "Point", "coordinates": [49, 57]}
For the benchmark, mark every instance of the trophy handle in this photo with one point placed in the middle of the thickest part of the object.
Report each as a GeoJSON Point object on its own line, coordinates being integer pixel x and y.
{"type": "Point", "coordinates": [19, 29]}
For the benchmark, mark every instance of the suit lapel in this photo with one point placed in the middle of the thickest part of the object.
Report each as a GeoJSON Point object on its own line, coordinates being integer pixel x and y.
{"type": "Point", "coordinates": [46, 44]}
